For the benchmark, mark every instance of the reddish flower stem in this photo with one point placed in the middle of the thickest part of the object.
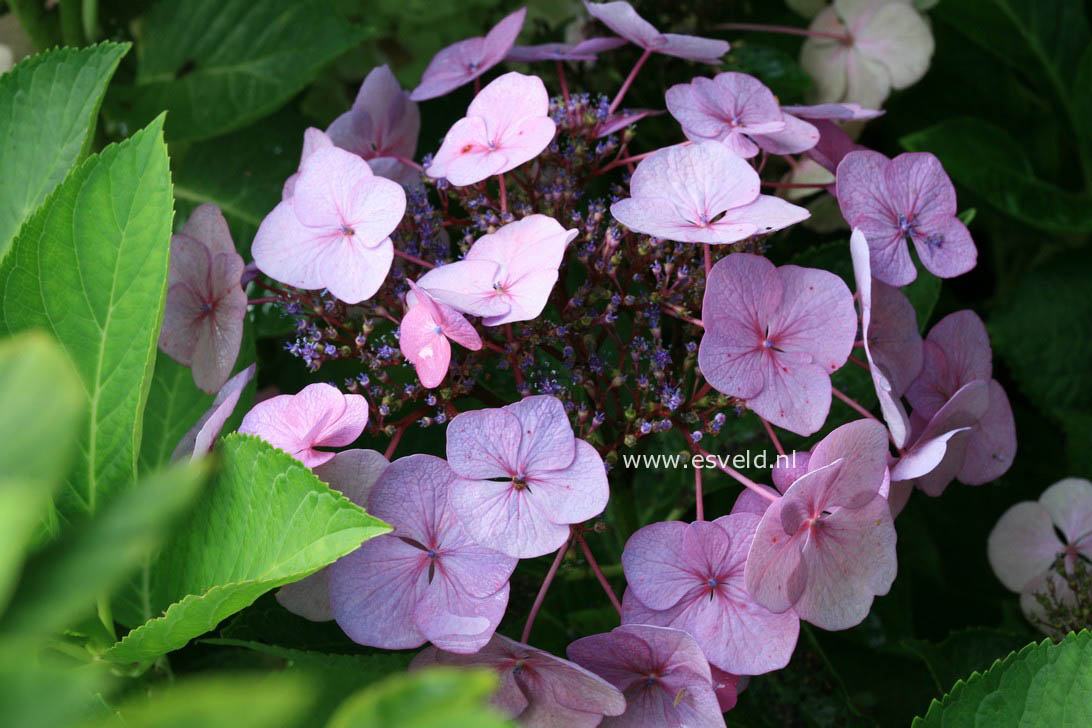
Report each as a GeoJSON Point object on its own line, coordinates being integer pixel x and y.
{"type": "Point", "coordinates": [622, 161]}
{"type": "Point", "coordinates": [770, 432]}
{"type": "Point", "coordinates": [858, 362]}
{"type": "Point", "coordinates": [563, 82]}
{"type": "Point", "coordinates": [503, 193]}
{"type": "Point", "coordinates": [413, 259]}
{"type": "Point", "coordinates": [852, 403]}
{"type": "Point", "coordinates": [541, 597]}
{"type": "Point", "coordinates": [260, 301]}
{"type": "Point", "coordinates": [672, 312]}
{"type": "Point", "coordinates": [784, 29]}
{"type": "Point", "coordinates": [708, 259]}
{"type": "Point", "coordinates": [739, 477]}
{"type": "Point", "coordinates": [629, 81]}
{"type": "Point", "coordinates": [410, 162]}
{"type": "Point", "coordinates": [395, 439]}
{"type": "Point", "coordinates": [599, 574]}
{"type": "Point", "coordinates": [699, 504]}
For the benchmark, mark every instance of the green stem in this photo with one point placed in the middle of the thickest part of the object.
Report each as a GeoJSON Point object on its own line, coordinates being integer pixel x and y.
{"type": "Point", "coordinates": [72, 22]}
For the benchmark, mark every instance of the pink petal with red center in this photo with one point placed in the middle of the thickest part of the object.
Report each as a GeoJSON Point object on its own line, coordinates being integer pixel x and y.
{"type": "Point", "coordinates": [735, 633]}
{"type": "Point", "coordinates": [206, 305]}
{"type": "Point", "coordinates": [680, 694]}
{"type": "Point", "coordinates": [528, 254]}
{"type": "Point", "coordinates": [506, 125]}
{"type": "Point", "coordinates": [319, 416]}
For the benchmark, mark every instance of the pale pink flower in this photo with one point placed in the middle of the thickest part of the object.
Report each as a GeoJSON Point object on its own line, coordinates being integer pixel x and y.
{"type": "Point", "coordinates": [462, 62]}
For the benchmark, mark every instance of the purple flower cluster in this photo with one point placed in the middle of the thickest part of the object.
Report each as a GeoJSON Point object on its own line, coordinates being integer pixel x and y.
{"type": "Point", "coordinates": [587, 321]}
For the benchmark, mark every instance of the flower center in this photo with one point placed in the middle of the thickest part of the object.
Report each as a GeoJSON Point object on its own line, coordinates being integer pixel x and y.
{"type": "Point", "coordinates": [519, 482]}
{"type": "Point", "coordinates": [347, 231]}
{"type": "Point", "coordinates": [906, 225]}
{"type": "Point", "coordinates": [437, 330]}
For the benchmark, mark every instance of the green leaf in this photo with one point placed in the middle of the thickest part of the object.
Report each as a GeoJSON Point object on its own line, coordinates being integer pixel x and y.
{"type": "Point", "coordinates": [48, 105]}
{"type": "Point", "coordinates": [227, 701]}
{"type": "Point", "coordinates": [1043, 331]}
{"type": "Point", "coordinates": [175, 404]}
{"type": "Point", "coordinates": [963, 651]}
{"type": "Point", "coordinates": [39, 694]}
{"type": "Point", "coordinates": [218, 65]}
{"type": "Point", "coordinates": [242, 173]}
{"type": "Point", "coordinates": [62, 582]}
{"type": "Point", "coordinates": [1043, 684]}
{"type": "Point", "coordinates": [990, 163]}
{"type": "Point", "coordinates": [91, 268]}
{"type": "Point", "coordinates": [338, 676]}
{"type": "Point", "coordinates": [42, 404]}
{"type": "Point", "coordinates": [434, 698]}
{"type": "Point", "coordinates": [266, 522]}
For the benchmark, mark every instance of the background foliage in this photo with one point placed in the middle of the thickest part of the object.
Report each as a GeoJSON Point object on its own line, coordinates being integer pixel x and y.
{"type": "Point", "coordinates": [1006, 105]}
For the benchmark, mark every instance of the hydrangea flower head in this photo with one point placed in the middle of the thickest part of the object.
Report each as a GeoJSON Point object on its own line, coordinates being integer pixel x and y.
{"type": "Point", "coordinates": [1032, 535]}
{"type": "Point", "coordinates": [909, 196]}
{"type": "Point", "coordinates": [827, 547]}
{"type": "Point", "coordinates": [319, 416]}
{"type": "Point", "coordinates": [206, 305]}
{"type": "Point", "coordinates": [536, 688]}
{"type": "Point", "coordinates": [661, 672]}
{"type": "Point", "coordinates": [427, 581]}
{"type": "Point", "coordinates": [623, 19]}
{"type": "Point", "coordinates": [885, 44]}
{"type": "Point", "coordinates": [506, 276]}
{"type": "Point", "coordinates": [334, 232]}
{"type": "Point", "coordinates": [740, 111]}
{"type": "Point", "coordinates": [586, 50]}
{"type": "Point", "coordinates": [354, 473]}
{"type": "Point", "coordinates": [505, 125]}
{"type": "Point", "coordinates": [462, 62]}
{"type": "Point", "coordinates": [957, 353]}
{"type": "Point", "coordinates": [424, 334]}
{"type": "Point", "coordinates": [523, 476]}
{"type": "Point", "coordinates": [701, 193]}
{"type": "Point", "coordinates": [198, 440]}
{"type": "Point", "coordinates": [774, 335]}
{"type": "Point", "coordinates": [381, 125]}
{"type": "Point", "coordinates": [690, 576]}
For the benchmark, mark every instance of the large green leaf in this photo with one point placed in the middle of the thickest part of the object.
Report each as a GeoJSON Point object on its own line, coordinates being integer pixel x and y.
{"type": "Point", "coordinates": [434, 698]}
{"type": "Point", "coordinates": [1043, 330]}
{"type": "Point", "coordinates": [1043, 684]}
{"type": "Point", "coordinates": [38, 426]}
{"type": "Point", "coordinates": [91, 267]}
{"type": "Point", "coordinates": [218, 701]}
{"type": "Point", "coordinates": [62, 582]}
{"type": "Point", "coordinates": [267, 521]}
{"type": "Point", "coordinates": [338, 676]}
{"type": "Point", "coordinates": [989, 162]}
{"type": "Point", "coordinates": [48, 106]}
{"type": "Point", "coordinates": [218, 65]}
